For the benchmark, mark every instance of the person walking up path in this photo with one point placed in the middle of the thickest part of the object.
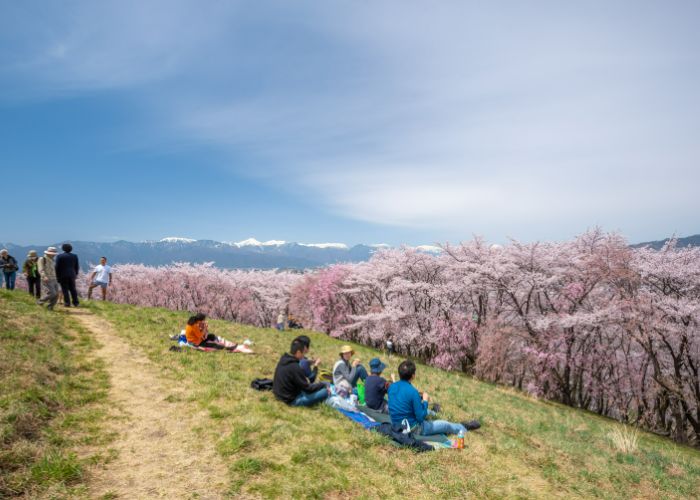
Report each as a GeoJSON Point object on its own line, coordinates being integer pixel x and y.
{"type": "Point", "coordinates": [9, 268]}
{"type": "Point", "coordinates": [30, 269]}
{"type": "Point", "coordinates": [47, 271]}
{"type": "Point", "coordinates": [101, 276]}
{"type": "Point", "coordinates": [67, 270]}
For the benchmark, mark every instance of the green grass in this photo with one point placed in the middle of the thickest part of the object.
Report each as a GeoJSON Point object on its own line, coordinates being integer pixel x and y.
{"type": "Point", "coordinates": [526, 448]}
{"type": "Point", "coordinates": [51, 391]}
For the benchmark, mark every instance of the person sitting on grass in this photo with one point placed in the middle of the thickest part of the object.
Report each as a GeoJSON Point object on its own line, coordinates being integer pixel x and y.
{"type": "Point", "coordinates": [291, 386]}
{"type": "Point", "coordinates": [197, 333]}
{"type": "Point", "coordinates": [309, 367]}
{"type": "Point", "coordinates": [405, 403]}
{"type": "Point", "coordinates": [376, 386]}
{"type": "Point", "coordinates": [347, 373]}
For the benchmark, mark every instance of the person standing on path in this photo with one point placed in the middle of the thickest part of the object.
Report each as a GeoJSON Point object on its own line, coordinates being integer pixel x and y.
{"type": "Point", "coordinates": [31, 272]}
{"type": "Point", "coordinates": [9, 268]}
{"type": "Point", "coordinates": [101, 276]}
{"type": "Point", "coordinates": [47, 271]}
{"type": "Point", "coordinates": [67, 269]}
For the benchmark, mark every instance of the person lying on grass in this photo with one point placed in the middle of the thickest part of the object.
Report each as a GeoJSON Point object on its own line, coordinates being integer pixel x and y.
{"type": "Point", "coordinates": [347, 373]}
{"type": "Point", "coordinates": [309, 366]}
{"type": "Point", "coordinates": [291, 386]}
{"type": "Point", "coordinates": [376, 386]}
{"type": "Point", "coordinates": [405, 403]}
{"type": "Point", "coordinates": [197, 333]}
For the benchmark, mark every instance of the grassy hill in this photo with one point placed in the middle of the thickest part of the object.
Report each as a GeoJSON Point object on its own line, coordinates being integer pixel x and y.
{"type": "Point", "coordinates": [52, 394]}
{"type": "Point", "coordinates": [526, 448]}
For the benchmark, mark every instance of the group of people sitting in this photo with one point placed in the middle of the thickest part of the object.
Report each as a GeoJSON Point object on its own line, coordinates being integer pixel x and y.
{"type": "Point", "coordinates": [295, 384]}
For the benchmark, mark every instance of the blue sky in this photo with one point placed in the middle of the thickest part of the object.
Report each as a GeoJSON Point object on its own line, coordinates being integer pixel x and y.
{"type": "Point", "coordinates": [395, 122]}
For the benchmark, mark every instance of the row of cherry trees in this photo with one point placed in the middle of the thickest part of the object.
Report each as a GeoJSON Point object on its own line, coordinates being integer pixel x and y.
{"type": "Point", "coordinates": [251, 297]}
{"type": "Point", "coordinates": [591, 322]}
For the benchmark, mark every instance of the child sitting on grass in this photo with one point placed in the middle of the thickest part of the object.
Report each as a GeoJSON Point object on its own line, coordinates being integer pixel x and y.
{"type": "Point", "coordinates": [376, 387]}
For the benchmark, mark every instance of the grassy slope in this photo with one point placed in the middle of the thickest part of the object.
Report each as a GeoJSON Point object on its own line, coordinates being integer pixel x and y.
{"type": "Point", "coordinates": [526, 447]}
{"type": "Point", "coordinates": [50, 394]}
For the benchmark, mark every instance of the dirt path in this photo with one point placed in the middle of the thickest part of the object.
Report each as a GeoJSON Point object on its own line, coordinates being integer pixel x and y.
{"type": "Point", "coordinates": [157, 457]}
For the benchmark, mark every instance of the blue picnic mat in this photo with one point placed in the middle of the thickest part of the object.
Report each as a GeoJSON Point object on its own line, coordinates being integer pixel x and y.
{"type": "Point", "coordinates": [360, 418]}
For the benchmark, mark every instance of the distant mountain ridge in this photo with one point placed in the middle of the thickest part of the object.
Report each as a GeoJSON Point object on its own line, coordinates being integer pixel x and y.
{"type": "Point", "coordinates": [688, 241]}
{"type": "Point", "coordinates": [246, 254]}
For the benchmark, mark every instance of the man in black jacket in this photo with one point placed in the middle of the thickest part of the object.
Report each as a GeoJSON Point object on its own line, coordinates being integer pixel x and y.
{"type": "Point", "coordinates": [67, 269]}
{"type": "Point", "coordinates": [290, 383]}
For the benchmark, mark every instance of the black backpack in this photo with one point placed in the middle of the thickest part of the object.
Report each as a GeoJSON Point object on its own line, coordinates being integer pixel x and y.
{"type": "Point", "coordinates": [262, 384]}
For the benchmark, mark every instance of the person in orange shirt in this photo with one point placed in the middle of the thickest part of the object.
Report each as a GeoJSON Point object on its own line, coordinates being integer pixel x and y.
{"type": "Point", "coordinates": [197, 333]}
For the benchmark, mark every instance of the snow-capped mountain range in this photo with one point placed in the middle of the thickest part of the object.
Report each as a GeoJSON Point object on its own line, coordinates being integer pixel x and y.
{"type": "Point", "coordinates": [246, 254]}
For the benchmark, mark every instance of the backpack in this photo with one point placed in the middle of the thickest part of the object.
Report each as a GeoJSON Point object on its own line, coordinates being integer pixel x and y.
{"type": "Point", "coordinates": [324, 376]}
{"type": "Point", "coordinates": [262, 384]}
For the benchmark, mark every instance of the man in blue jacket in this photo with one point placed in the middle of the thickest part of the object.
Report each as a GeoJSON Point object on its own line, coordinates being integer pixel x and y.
{"type": "Point", "coordinates": [405, 403]}
{"type": "Point", "coordinates": [67, 269]}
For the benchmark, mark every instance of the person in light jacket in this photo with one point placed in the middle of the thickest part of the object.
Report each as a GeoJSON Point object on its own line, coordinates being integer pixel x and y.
{"type": "Point", "coordinates": [347, 373]}
{"type": "Point", "coordinates": [47, 271]}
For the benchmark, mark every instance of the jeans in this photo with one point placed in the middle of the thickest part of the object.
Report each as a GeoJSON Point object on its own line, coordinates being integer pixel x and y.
{"type": "Point", "coordinates": [431, 427]}
{"type": "Point", "coordinates": [34, 285]}
{"type": "Point", "coordinates": [69, 291]}
{"type": "Point", "coordinates": [360, 373]}
{"type": "Point", "coordinates": [10, 280]}
{"type": "Point", "coordinates": [50, 293]}
{"type": "Point", "coordinates": [310, 398]}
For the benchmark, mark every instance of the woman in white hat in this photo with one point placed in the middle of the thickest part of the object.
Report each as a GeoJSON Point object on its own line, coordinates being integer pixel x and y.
{"type": "Point", "coordinates": [347, 373]}
{"type": "Point", "coordinates": [47, 271]}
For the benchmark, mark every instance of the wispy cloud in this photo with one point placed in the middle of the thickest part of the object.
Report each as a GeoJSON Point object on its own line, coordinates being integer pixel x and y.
{"type": "Point", "coordinates": [498, 119]}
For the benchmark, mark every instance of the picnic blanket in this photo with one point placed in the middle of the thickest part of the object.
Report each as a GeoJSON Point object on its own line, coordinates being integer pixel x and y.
{"type": "Point", "coordinates": [374, 420]}
{"type": "Point", "coordinates": [360, 418]}
{"type": "Point", "coordinates": [378, 416]}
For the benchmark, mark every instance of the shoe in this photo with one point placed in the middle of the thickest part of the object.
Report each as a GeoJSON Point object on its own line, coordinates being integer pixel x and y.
{"type": "Point", "coordinates": [50, 308]}
{"type": "Point", "coordinates": [66, 305]}
{"type": "Point", "coordinates": [472, 425]}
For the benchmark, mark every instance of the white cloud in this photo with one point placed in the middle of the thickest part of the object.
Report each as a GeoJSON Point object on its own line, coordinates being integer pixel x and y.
{"type": "Point", "coordinates": [459, 116]}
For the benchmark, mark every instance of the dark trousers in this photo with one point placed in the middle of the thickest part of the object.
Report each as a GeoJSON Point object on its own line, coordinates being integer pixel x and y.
{"type": "Point", "coordinates": [34, 285]}
{"type": "Point", "coordinates": [211, 342]}
{"type": "Point", "coordinates": [69, 291]}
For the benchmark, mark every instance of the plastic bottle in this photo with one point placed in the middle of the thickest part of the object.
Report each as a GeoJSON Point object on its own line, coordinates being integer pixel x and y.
{"type": "Point", "coordinates": [460, 440]}
{"type": "Point", "coordinates": [361, 391]}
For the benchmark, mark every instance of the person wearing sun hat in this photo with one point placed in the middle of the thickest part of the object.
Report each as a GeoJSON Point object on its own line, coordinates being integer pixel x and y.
{"type": "Point", "coordinates": [376, 387]}
{"type": "Point", "coordinates": [47, 271]}
{"type": "Point", "coordinates": [347, 373]}
{"type": "Point", "coordinates": [30, 269]}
